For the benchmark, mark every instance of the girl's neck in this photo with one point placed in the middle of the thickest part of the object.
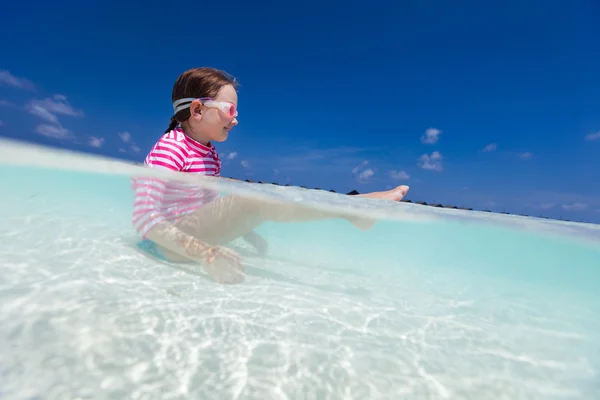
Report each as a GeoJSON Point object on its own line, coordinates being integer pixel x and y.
{"type": "Point", "coordinates": [194, 135]}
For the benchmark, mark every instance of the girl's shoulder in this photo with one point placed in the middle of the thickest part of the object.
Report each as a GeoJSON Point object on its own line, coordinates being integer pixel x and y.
{"type": "Point", "coordinates": [176, 135]}
{"type": "Point", "coordinates": [170, 151]}
{"type": "Point", "coordinates": [175, 140]}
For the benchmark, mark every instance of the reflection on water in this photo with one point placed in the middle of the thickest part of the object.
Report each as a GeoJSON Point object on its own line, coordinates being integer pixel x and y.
{"type": "Point", "coordinates": [428, 303]}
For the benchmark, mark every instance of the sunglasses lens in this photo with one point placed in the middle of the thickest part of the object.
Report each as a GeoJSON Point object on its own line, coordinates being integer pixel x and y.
{"type": "Point", "coordinates": [232, 111]}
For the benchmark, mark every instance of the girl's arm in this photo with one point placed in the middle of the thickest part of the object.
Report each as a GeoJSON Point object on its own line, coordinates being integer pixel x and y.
{"type": "Point", "coordinates": [222, 264]}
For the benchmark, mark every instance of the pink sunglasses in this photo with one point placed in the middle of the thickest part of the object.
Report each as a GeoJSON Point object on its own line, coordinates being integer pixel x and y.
{"type": "Point", "coordinates": [226, 107]}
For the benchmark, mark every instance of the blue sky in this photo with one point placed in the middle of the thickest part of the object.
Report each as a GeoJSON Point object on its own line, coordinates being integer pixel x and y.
{"type": "Point", "coordinates": [491, 107]}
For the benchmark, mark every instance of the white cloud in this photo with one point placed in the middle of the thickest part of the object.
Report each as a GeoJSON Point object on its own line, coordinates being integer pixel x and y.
{"type": "Point", "coordinates": [96, 142]}
{"type": "Point", "coordinates": [366, 175]}
{"type": "Point", "coordinates": [398, 175]}
{"type": "Point", "coordinates": [231, 155]}
{"type": "Point", "coordinates": [525, 156]}
{"type": "Point", "coordinates": [593, 136]}
{"type": "Point", "coordinates": [42, 113]}
{"type": "Point", "coordinates": [9, 79]}
{"type": "Point", "coordinates": [490, 147]}
{"type": "Point", "coordinates": [363, 175]}
{"type": "Point", "coordinates": [358, 167]}
{"type": "Point", "coordinates": [54, 131]}
{"type": "Point", "coordinates": [562, 200]}
{"type": "Point", "coordinates": [125, 136]}
{"type": "Point", "coordinates": [245, 163]}
{"type": "Point", "coordinates": [1, 123]}
{"type": "Point", "coordinates": [431, 162]}
{"type": "Point", "coordinates": [48, 109]}
{"type": "Point", "coordinates": [575, 206]}
{"type": "Point", "coordinates": [431, 136]}
{"type": "Point", "coordinates": [275, 171]}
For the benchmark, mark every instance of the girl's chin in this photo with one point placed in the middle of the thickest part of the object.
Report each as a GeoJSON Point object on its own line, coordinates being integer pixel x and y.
{"type": "Point", "coordinates": [223, 136]}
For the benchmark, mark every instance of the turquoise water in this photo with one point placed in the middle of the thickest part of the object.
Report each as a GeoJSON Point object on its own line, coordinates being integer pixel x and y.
{"type": "Point", "coordinates": [429, 303]}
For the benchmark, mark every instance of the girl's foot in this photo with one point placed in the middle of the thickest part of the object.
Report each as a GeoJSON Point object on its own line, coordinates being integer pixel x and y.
{"type": "Point", "coordinates": [394, 195]}
{"type": "Point", "coordinates": [224, 265]}
{"type": "Point", "coordinates": [258, 242]}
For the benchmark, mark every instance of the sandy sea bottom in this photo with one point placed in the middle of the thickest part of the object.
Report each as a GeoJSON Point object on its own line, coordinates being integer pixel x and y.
{"type": "Point", "coordinates": [416, 308]}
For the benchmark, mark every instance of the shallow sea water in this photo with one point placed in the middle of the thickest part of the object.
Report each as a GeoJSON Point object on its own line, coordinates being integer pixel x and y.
{"type": "Point", "coordinates": [428, 304]}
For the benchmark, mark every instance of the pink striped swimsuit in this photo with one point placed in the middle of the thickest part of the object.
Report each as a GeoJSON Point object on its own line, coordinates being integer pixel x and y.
{"type": "Point", "coordinates": [157, 200]}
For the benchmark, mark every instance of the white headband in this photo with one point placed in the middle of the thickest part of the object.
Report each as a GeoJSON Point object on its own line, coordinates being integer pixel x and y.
{"type": "Point", "coordinates": [182, 104]}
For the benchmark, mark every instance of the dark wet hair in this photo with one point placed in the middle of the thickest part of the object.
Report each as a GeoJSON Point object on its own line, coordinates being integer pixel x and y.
{"type": "Point", "coordinates": [197, 83]}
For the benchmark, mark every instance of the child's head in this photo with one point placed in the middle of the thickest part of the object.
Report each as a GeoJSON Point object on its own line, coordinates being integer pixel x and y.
{"type": "Point", "coordinates": [205, 103]}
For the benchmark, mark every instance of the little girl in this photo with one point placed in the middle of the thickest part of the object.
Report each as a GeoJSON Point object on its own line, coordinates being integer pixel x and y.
{"type": "Point", "coordinates": [187, 222]}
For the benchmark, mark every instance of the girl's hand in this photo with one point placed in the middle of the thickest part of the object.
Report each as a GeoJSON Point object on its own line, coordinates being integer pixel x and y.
{"type": "Point", "coordinates": [222, 264]}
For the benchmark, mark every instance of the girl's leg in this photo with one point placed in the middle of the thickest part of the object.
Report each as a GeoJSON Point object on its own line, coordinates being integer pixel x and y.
{"type": "Point", "coordinates": [395, 194]}
{"type": "Point", "coordinates": [218, 222]}
{"type": "Point", "coordinates": [197, 236]}
{"type": "Point", "coordinates": [227, 218]}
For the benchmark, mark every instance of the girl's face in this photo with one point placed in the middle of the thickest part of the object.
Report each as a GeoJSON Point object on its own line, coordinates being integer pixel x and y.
{"type": "Point", "coordinates": [209, 123]}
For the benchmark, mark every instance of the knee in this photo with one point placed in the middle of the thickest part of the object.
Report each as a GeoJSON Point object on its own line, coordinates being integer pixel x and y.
{"type": "Point", "coordinates": [251, 206]}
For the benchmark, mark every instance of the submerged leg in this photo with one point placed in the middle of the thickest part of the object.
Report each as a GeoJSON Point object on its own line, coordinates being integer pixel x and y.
{"type": "Point", "coordinates": [198, 236]}
{"type": "Point", "coordinates": [230, 217]}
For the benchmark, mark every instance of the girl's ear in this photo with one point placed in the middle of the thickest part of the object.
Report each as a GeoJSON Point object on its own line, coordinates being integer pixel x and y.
{"type": "Point", "coordinates": [196, 109]}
